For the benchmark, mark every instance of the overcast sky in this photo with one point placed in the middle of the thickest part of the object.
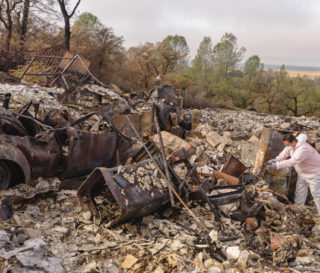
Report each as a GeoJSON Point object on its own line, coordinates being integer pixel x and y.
{"type": "Point", "coordinates": [278, 31]}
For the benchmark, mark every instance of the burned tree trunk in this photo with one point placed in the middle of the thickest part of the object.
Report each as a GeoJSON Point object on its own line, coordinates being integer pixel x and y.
{"type": "Point", "coordinates": [67, 33]}
{"type": "Point", "coordinates": [295, 112]}
{"type": "Point", "coordinates": [6, 9]}
{"type": "Point", "coordinates": [9, 36]}
{"type": "Point", "coordinates": [24, 26]}
{"type": "Point", "coordinates": [67, 17]}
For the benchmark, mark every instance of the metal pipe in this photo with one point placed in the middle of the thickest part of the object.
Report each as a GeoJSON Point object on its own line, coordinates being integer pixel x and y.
{"type": "Point", "coordinates": [53, 57]}
{"type": "Point", "coordinates": [41, 74]}
{"type": "Point", "coordinates": [164, 157]}
{"type": "Point", "coordinates": [27, 68]}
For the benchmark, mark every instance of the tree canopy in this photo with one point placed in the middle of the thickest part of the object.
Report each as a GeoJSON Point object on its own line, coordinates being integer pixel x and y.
{"type": "Point", "coordinates": [216, 74]}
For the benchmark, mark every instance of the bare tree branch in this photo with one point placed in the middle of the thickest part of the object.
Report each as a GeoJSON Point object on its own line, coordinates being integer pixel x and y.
{"type": "Point", "coordinates": [74, 10]}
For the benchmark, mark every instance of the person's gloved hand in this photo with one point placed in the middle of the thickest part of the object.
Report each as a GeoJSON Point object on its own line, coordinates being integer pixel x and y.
{"type": "Point", "coordinates": [273, 166]}
{"type": "Point", "coordinates": [272, 161]}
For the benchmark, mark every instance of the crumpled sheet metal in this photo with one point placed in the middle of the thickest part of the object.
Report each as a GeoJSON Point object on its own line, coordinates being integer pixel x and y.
{"type": "Point", "coordinates": [234, 167]}
{"type": "Point", "coordinates": [270, 145]}
{"type": "Point", "coordinates": [134, 198]}
{"type": "Point", "coordinates": [33, 256]}
{"type": "Point", "coordinates": [9, 124]}
{"type": "Point", "coordinates": [87, 151]}
{"type": "Point", "coordinates": [14, 158]}
{"type": "Point", "coordinates": [143, 122]}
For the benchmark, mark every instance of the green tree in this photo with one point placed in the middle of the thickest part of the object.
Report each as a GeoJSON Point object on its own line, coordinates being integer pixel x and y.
{"type": "Point", "coordinates": [87, 22]}
{"type": "Point", "coordinates": [269, 88]}
{"type": "Point", "coordinates": [203, 61]}
{"type": "Point", "coordinates": [296, 95]}
{"type": "Point", "coordinates": [227, 54]}
{"type": "Point", "coordinates": [202, 65]}
{"type": "Point", "coordinates": [252, 66]}
{"type": "Point", "coordinates": [266, 91]}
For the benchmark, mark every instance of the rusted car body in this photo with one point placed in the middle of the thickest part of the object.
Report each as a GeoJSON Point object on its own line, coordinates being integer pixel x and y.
{"type": "Point", "coordinates": [31, 148]}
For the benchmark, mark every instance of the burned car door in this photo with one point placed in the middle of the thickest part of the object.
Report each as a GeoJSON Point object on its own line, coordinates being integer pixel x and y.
{"type": "Point", "coordinates": [87, 150]}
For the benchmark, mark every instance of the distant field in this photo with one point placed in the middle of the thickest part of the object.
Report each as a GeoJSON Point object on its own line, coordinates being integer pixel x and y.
{"type": "Point", "coordinates": [309, 74]}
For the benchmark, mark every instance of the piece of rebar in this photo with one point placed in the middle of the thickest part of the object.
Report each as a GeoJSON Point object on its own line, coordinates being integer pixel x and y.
{"type": "Point", "coordinates": [300, 269]}
{"type": "Point", "coordinates": [35, 120]}
{"type": "Point", "coordinates": [214, 208]}
{"type": "Point", "coordinates": [190, 172]}
{"type": "Point", "coordinates": [64, 81]}
{"type": "Point", "coordinates": [164, 158]}
{"type": "Point", "coordinates": [189, 166]}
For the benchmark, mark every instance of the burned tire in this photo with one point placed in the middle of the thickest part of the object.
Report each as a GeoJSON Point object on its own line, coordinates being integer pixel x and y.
{"type": "Point", "coordinates": [5, 175]}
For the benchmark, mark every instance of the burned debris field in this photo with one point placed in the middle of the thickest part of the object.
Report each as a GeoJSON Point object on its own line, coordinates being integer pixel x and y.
{"type": "Point", "coordinates": [94, 179]}
{"type": "Point", "coordinates": [142, 153]}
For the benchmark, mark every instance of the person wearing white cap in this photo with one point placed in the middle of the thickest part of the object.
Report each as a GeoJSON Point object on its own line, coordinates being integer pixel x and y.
{"type": "Point", "coordinates": [306, 161]}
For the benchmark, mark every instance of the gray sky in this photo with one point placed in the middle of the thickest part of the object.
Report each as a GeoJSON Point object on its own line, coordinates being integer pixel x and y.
{"type": "Point", "coordinates": [278, 31]}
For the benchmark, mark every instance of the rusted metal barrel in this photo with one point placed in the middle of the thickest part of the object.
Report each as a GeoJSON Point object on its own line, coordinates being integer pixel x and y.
{"type": "Point", "coordinates": [137, 189]}
{"type": "Point", "coordinates": [270, 146]}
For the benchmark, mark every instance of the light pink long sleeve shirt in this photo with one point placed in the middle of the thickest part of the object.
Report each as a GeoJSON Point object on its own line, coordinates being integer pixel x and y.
{"type": "Point", "coordinates": [304, 158]}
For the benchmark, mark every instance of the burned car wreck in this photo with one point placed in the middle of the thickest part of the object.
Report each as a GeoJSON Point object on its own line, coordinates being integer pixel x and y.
{"type": "Point", "coordinates": [60, 145]}
{"type": "Point", "coordinates": [56, 146]}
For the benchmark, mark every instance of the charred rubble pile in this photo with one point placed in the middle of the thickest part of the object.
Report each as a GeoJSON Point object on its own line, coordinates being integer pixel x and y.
{"type": "Point", "coordinates": [96, 180]}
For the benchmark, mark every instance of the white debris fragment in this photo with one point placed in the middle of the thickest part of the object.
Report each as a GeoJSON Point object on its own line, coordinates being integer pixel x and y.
{"type": "Point", "coordinates": [233, 252]}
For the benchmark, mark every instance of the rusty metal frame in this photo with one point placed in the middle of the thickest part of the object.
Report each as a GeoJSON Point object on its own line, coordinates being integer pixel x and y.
{"type": "Point", "coordinates": [60, 74]}
{"type": "Point", "coordinates": [25, 72]}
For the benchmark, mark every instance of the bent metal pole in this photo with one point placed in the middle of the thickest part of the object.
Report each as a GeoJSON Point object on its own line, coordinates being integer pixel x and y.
{"type": "Point", "coordinates": [201, 225]}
